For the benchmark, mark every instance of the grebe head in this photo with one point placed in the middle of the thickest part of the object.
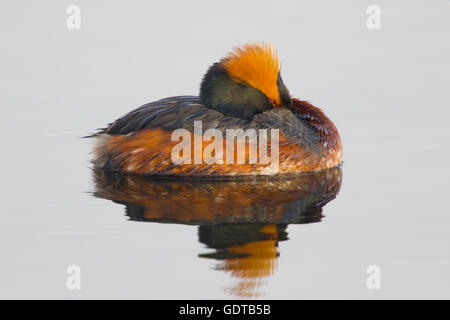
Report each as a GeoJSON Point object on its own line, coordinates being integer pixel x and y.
{"type": "Point", "coordinates": [246, 82]}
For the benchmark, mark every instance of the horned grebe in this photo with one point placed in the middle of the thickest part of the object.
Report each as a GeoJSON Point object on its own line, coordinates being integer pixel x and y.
{"type": "Point", "coordinates": [243, 90]}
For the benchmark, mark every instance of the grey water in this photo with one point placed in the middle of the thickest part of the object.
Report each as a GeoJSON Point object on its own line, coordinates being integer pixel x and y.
{"type": "Point", "coordinates": [386, 90]}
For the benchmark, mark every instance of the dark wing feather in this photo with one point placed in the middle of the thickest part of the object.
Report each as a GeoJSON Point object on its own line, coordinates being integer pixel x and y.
{"type": "Point", "coordinates": [154, 114]}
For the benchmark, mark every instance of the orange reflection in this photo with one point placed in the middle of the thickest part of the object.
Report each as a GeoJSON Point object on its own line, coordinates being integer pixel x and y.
{"type": "Point", "coordinates": [260, 262]}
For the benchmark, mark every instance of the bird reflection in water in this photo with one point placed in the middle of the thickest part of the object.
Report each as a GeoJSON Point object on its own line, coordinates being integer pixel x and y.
{"type": "Point", "coordinates": [242, 221]}
{"type": "Point", "coordinates": [247, 251]}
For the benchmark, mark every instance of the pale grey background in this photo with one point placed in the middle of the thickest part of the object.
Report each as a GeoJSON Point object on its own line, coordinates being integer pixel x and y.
{"type": "Point", "coordinates": [387, 91]}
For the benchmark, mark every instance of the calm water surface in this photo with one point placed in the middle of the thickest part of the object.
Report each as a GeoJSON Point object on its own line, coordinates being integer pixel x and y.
{"type": "Point", "coordinates": [309, 237]}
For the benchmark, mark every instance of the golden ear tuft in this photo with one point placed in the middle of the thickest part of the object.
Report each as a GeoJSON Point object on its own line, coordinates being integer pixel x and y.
{"type": "Point", "coordinates": [257, 65]}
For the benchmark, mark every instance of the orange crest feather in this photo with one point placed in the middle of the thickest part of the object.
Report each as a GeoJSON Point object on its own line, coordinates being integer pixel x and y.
{"type": "Point", "coordinates": [257, 65]}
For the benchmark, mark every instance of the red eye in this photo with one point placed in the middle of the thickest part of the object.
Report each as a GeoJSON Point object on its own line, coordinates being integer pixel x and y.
{"type": "Point", "coordinates": [273, 102]}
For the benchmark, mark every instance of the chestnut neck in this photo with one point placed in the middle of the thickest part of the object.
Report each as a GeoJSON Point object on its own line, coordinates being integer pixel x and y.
{"type": "Point", "coordinates": [314, 118]}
